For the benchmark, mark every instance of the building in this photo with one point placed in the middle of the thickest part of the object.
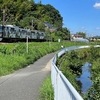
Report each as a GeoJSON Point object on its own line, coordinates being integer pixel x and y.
{"type": "Point", "coordinates": [78, 38]}
{"type": "Point", "coordinates": [74, 36]}
{"type": "Point", "coordinates": [49, 26]}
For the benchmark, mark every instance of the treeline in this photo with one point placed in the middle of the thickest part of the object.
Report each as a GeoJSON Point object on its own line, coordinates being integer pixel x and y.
{"type": "Point", "coordinates": [28, 14]}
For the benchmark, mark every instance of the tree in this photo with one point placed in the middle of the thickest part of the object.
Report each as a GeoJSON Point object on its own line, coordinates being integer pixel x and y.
{"type": "Point", "coordinates": [65, 34]}
{"type": "Point", "coordinates": [41, 26]}
{"type": "Point", "coordinates": [82, 33]}
{"type": "Point", "coordinates": [28, 14]}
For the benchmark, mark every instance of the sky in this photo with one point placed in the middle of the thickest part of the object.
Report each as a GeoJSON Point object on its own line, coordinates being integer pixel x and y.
{"type": "Point", "coordinates": [78, 15]}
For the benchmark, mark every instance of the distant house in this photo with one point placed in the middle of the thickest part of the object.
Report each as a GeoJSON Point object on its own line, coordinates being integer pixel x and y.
{"type": "Point", "coordinates": [95, 38]}
{"type": "Point", "coordinates": [78, 38]}
{"type": "Point", "coordinates": [74, 36]}
{"type": "Point", "coordinates": [49, 26]}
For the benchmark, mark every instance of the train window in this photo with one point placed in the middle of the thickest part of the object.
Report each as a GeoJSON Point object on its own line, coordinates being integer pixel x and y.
{"type": "Point", "coordinates": [42, 34]}
{"type": "Point", "coordinates": [23, 31]}
{"type": "Point", "coordinates": [0, 29]}
{"type": "Point", "coordinates": [6, 29]}
{"type": "Point", "coordinates": [37, 33]}
{"type": "Point", "coordinates": [19, 31]}
{"type": "Point", "coordinates": [12, 30]}
{"type": "Point", "coordinates": [28, 33]}
{"type": "Point", "coordinates": [33, 33]}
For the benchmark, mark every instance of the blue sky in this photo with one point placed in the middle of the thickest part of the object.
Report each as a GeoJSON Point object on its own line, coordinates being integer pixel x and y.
{"type": "Point", "coordinates": [78, 15]}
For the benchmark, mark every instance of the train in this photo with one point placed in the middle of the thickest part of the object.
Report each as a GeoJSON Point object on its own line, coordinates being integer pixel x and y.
{"type": "Point", "coordinates": [11, 33]}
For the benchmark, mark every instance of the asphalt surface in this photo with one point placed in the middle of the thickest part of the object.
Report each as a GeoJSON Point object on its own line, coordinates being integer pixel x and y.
{"type": "Point", "coordinates": [25, 83]}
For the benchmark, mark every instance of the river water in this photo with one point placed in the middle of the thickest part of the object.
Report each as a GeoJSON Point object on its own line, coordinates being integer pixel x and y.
{"type": "Point", "coordinates": [84, 79]}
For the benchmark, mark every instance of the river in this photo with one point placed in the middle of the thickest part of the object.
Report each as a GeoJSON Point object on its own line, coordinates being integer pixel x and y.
{"type": "Point", "coordinates": [84, 78]}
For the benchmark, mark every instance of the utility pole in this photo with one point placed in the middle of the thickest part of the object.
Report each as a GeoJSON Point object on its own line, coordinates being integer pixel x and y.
{"type": "Point", "coordinates": [32, 24]}
{"type": "Point", "coordinates": [3, 17]}
{"type": "Point", "coordinates": [27, 43]}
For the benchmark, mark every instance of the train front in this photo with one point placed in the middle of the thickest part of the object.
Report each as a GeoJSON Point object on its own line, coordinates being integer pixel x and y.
{"type": "Point", "coordinates": [1, 32]}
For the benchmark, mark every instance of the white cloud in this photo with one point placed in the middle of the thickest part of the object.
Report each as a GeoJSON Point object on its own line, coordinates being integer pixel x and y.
{"type": "Point", "coordinates": [96, 5]}
{"type": "Point", "coordinates": [98, 28]}
{"type": "Point", "coordinates": [83, 27]}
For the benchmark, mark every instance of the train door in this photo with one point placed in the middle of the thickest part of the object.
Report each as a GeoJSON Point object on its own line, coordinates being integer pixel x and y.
{"type": "Point", "coordinates": [33, 35]}
{"type": "Point", "coordinates": [42, 35]}
{"type": "Point", "coordinates": [6, 32]}
{"type": "Point", "coordinates": [29, 34]}
{"type": "Point", "coordinates": [38, 35]}
{"type": "Point", "coordinates": [12, 32]}
{"type": "Point", "coordinates": [18, 34]}
{"type": "Point", "coordinates": [23, 34]}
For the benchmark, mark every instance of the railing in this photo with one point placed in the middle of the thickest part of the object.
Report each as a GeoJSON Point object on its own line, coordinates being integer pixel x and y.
{"type": "Point", "coordinates": [63, 90]}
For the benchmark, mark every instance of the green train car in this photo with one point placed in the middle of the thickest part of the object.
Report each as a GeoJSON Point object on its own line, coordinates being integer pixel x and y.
{"type": "Point", "coordinates": [10, 33]}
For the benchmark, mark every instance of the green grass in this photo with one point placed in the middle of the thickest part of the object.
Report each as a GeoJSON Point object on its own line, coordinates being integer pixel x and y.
{"type": "Point", "coordinates": [46, 91]}
{"type": "Point", "coordinates": [14, 56]}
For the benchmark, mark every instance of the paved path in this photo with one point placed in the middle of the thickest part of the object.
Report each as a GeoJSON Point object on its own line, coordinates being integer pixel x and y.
{"type": "Point", "coordinates": [24, 84]}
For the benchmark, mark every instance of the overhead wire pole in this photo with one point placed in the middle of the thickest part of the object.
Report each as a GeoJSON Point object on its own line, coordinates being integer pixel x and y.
{"type": "Point", "coordinates": [32, 24]}
{"type": "Point", "coordinates": [27, 43]}
{"type": "Point", "coordinates": [27, 38]}
{"type": "Point", "coordinates": [3, 17]}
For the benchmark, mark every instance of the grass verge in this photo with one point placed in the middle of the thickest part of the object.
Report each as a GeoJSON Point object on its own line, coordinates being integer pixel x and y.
{"type": "Point", "coordinates": [46, 91]}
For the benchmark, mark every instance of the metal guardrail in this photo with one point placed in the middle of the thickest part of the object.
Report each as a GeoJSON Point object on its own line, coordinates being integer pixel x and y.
{"type": "Point", "coordinates": [63, 89]}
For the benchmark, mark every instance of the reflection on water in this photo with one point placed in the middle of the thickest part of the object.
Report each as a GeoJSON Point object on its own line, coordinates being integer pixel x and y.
{"type": "Point", "coordinates": [84, 78]}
